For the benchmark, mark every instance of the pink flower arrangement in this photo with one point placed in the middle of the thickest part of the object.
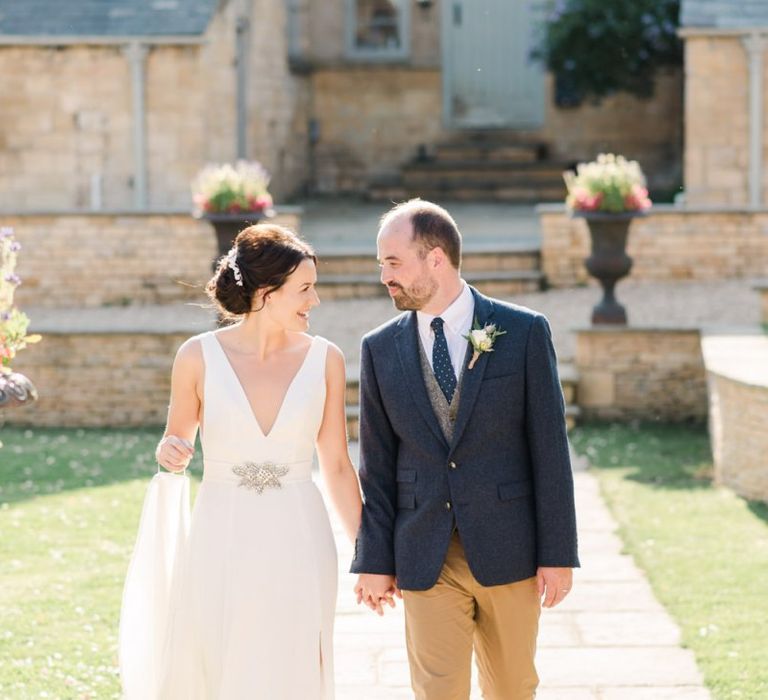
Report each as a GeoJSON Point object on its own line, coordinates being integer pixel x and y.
{"type": "Point", "coordinates": [609, 184]}
{"type": "Point", "coordinates": [232, 189]}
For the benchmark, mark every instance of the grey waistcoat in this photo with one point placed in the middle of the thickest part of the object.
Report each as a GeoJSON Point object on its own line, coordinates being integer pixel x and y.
{"type": "Point", "coordinates": [444, 412]}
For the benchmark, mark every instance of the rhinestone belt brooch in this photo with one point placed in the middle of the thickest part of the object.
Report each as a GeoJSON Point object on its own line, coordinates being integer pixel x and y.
{"type": "Point", "coordinates": [260, 476]}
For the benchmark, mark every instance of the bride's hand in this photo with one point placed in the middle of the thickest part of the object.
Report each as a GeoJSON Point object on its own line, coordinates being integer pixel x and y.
{"type": "Point", "coordinates": [174, 453]}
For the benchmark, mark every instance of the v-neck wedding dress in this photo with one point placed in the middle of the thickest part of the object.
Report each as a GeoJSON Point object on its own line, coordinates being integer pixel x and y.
{"type": "Point", "coordinates": [253, 610]}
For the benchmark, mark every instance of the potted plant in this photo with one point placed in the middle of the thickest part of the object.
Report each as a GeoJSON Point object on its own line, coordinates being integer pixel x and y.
{"type": "Point", "coordinates": [232, 197]}
{"type": "Point", "coordinates": [608, 192]}
{"type": "Point", "coordinates": [15, 388]}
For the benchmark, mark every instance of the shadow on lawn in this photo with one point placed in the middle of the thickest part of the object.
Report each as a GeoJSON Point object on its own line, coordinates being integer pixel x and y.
{"type": "Point", "coordinates": [43, 461]}
{"type": "Point", "coordinates": [661, 455]}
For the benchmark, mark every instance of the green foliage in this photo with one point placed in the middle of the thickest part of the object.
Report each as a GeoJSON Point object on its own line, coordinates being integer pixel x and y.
{"type": "Point", "coordinates": [13, 323]}
{"type": "Point", "coordinates": [596, 48]}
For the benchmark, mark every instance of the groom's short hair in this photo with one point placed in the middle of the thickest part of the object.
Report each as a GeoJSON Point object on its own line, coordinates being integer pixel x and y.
{"type": "Point", "coordinates": [433, 227]}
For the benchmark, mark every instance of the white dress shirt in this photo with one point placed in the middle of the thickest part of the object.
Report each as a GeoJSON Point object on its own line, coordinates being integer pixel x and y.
{"type": "Point", "coordinates": [457, 322]}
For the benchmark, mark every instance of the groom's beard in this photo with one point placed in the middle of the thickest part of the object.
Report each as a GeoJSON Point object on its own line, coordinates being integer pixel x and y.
{"type": "Point", "coordinates": [416, 296]}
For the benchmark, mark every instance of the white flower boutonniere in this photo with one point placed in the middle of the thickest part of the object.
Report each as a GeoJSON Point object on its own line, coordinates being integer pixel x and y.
{"type": "Point", "coordinates": [482, 339]}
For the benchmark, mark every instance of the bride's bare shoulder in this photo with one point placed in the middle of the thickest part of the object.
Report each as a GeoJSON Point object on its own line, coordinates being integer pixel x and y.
{"type": "Point", "coordinates": [190, 353]}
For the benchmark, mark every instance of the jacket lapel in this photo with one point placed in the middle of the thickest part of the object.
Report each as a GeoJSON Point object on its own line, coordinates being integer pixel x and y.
{"type": "Point", "coordinates": [472, 379]}
{"type": "Point", "coordinates": [407, 342]}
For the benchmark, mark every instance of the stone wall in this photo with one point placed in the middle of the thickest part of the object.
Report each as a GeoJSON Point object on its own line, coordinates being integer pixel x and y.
{"type": "Point", "coordinates": [669, 244]}
{"type": "Point", "coordinates": [630, 373]}
{"type": "Point", "coordinates": [737, 377]}
{"type": "Point", "coordinates": [740, 438]}
{"type": "Point", "coordinates": [717, 121]}
{"type": "Point", "coordinates": [66, 117]}
{"type": "Point", "coordinates": [371, 120]}
{"type": "Point", "coordinates": [114, 259]}
{"type": "Point", "coordinates": [94, 380]}
{"type": "Point", "coordinates": [648, 130]}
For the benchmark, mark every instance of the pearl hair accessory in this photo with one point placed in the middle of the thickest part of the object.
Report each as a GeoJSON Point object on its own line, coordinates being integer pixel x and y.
{"type": "Point", "coordinates": [232, 265]}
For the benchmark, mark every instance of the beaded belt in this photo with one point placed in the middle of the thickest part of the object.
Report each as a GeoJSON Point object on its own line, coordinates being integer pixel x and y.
{"type": "Point", "coordinates": [258, 476]}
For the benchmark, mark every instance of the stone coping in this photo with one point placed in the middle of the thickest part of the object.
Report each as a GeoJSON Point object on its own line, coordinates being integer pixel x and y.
{"type": "Point", "coordinates": [761, 285]}
{"type": "Point", "coordinates": [330, 250]}
{"type": "Point", "coordinates": [611, 328]}
{"type": "Point", "coordinates": [667, 209]}
{"type": "Point", "coordinates": [279, 209]}
{"type": "Point", "coordinates": [112, 320]}
{"type": "Point", "coordinates": [737, 354]}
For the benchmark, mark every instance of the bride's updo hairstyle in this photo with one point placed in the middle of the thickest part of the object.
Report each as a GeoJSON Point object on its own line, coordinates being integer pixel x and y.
{"type": "Point", "coordinates": [262, 257]}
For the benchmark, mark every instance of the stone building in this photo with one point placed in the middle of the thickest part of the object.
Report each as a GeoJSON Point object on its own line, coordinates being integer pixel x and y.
{"type": "Point", "coordinates": [116, 104]}
{"type": "Point", "coordinates": [726, 45]}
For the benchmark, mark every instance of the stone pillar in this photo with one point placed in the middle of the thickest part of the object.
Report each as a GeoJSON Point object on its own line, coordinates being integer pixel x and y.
{"type": "Point", "coordinates": [136, 53]}
{"type": "Point", "coordinates": [755, 44]}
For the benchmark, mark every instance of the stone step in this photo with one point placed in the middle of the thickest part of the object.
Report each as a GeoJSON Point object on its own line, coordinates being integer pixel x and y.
{"type": "Point", "coordinates": [479, 168]}
{"type": "Point", "coordinates": [478, 192]}
{"type": "Point", "coordinates": [467, 151]}
{"type": "Point", "coordinates": [475, 260]}
{"type": "Point", "coordinates": [493, 283]}
{"type": "Point", "coordinates": [452, 179]}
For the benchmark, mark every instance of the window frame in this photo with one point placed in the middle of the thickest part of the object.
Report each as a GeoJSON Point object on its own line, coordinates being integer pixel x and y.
{"type": "Point", "coordinates": [377, 55]}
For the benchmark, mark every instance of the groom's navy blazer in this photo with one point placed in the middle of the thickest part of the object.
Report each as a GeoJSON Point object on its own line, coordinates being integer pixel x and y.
{"type": "Point", "coordinates": [504, 480]}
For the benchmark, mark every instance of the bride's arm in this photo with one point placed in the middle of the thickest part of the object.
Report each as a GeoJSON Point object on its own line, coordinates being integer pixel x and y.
{"type": "Point", "coordinates": [176, 448]}
{"type": "Point", "coordinates": [335, 465]}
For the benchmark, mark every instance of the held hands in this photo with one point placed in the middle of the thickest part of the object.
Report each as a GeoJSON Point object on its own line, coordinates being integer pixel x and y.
{"type": "Point", "coordinates": [376, 589]}
{"type": "Point", "coordinates": [553, 584]}
{"type": "Point", "coordinates": [174, 453]}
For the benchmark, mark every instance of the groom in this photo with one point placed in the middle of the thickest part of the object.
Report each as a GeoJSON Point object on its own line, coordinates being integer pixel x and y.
{"type": "Point", "coordinates": [464, 467]}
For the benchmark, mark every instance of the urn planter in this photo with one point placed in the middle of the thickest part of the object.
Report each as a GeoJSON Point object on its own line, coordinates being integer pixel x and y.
{"type": "Point", "coordinates": [608, 261]}
{"type": "Point", "coordinates": [226, 227]}
{"type": "Point", "coordinates": [16, 390]}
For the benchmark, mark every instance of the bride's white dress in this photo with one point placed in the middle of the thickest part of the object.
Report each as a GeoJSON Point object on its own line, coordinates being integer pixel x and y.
{"type": "Point", "coordinates": [253, 601]}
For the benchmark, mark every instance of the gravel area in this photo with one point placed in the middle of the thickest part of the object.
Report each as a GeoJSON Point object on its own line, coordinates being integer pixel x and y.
{"type": "Point", "coordinates": [729, 303]}
{"type": "Point", "coordinates": [720, 303]}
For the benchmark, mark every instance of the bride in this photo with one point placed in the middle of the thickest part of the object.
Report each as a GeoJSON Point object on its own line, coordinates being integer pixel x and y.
{"type": "Point", "coordinates": [253, 600]}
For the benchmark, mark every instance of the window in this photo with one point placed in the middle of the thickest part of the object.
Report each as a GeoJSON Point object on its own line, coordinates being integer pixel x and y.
{"type": "Point", "coordinates": [377, 28]}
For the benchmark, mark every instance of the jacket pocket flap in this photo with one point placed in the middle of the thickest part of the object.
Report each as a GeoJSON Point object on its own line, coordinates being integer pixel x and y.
{"type": "Point", "coordinates": [406, 500]}
{"type": "Point", "coordinates": [514, 489]}
{"type": "Point", "coordinates": [406, 476]}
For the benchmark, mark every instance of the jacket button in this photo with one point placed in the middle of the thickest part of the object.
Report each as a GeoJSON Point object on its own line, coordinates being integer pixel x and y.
{"type": "Point", "coordinates": [452, 465]}
{"type": "Point", "coordinates": [448, 505]}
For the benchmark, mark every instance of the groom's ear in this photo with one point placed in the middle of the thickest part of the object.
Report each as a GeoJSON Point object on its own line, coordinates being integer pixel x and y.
{"type": "Point", "coordinates": [437, 257]}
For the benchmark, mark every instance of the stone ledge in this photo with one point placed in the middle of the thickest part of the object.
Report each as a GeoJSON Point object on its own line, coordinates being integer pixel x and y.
{"type": "Point", "coordinates": [280, 209]}
{"type": "Point", "coordinates": [668, 209]}
{"type": "Point", "coordinates": [742, 357]}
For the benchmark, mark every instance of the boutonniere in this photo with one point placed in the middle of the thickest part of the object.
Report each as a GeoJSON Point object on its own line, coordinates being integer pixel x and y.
{"type": "Point", "coordinates": [482, 339]}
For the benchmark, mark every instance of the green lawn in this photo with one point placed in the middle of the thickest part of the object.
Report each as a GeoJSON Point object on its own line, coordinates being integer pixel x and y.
{"type": "Point", "coordinates": [70, 503]}
{"type": "Point", "coordinates": [704, 549]}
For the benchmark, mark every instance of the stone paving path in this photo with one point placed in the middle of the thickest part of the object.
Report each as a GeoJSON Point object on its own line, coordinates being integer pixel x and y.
{"type": "Point", "coordinates": [610, 639]}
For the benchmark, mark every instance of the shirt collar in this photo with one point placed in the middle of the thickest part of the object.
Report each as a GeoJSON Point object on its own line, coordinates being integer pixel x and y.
{"type": "Point", "coordinates": [456, 315]}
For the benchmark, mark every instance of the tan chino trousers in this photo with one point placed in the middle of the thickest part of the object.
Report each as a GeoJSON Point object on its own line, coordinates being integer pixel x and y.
{"type": "Point", "coordinates": [442, 624]}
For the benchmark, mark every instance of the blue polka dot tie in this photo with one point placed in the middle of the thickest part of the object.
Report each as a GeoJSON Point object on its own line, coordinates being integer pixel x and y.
{"type": "Point", "coordinates": [441, 360]}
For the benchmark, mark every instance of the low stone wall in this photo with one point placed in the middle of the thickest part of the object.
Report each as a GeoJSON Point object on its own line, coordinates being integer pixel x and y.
{"type": "Point", "coordinates": [97, 379]}
{"type": "Point", "coordinates": [112, 259]}
{"type": "Point", "coordinates": [737, 377]}
{"type": "Point", "coordinates": [630, 373]}
{"type": "Point", "coordinates": [671, 243]}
